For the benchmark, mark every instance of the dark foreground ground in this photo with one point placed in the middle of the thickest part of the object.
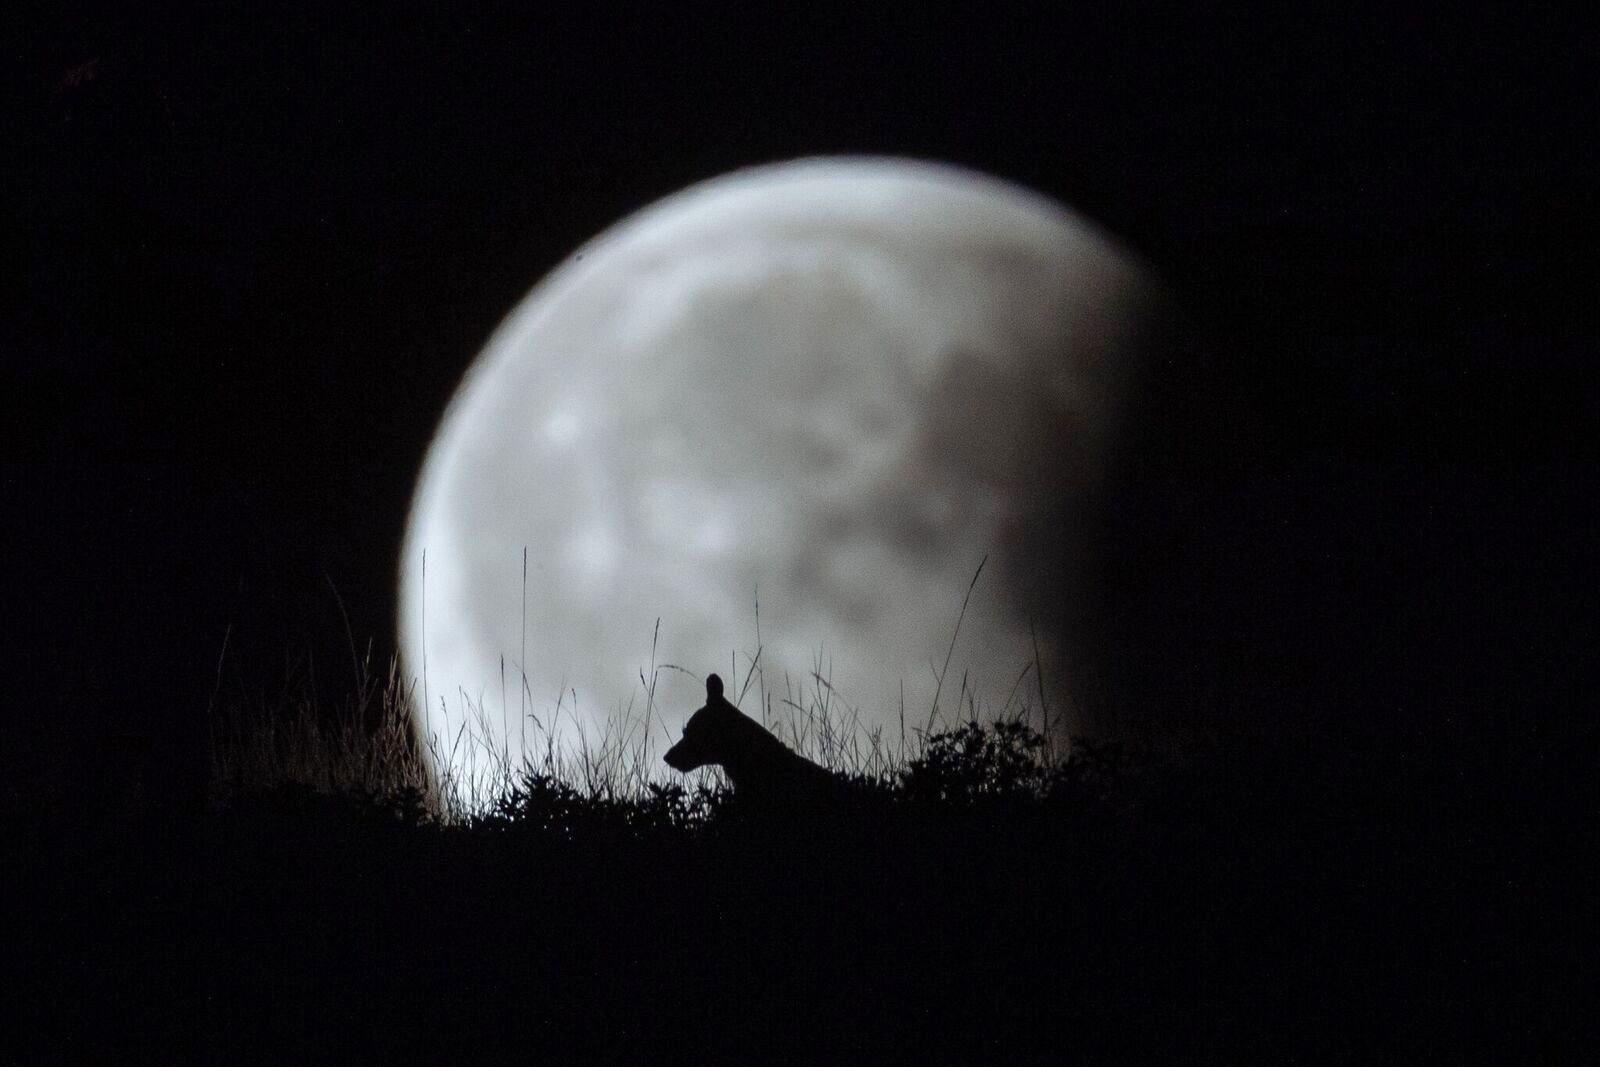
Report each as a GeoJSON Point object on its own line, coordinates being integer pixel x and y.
{"type": "Point", "coordinates": [1369, 894]}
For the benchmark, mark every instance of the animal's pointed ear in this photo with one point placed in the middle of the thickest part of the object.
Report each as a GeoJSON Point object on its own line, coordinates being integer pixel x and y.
{"type": "Point", "coordinates": [713, 686]}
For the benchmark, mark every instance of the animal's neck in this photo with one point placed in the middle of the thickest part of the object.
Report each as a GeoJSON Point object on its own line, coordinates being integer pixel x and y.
{"type": "Point", "coordinates": [755, 758]}
{"type": "Point", "coordinates": [744, 771]}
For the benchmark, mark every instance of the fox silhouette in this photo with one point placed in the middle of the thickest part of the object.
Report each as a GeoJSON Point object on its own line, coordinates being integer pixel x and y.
{"type": "Point", "coordinates": [763, 770]}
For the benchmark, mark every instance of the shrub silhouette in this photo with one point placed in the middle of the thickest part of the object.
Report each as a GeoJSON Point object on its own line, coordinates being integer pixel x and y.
{"type": "Point", "coordinates": [973, 765]}
{"type": "Point", "coordinates": [1237, 885]}
{"type": "Point", "coordinates": [544, 803]}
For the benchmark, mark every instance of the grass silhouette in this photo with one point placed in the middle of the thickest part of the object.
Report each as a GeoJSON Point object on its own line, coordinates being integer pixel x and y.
{"type": "Point", "coordinates": [381, 742]}
{"type": "Point", "coordinates": [1342, 889]}
{"type": "Point", "coordinates": [365, 750]}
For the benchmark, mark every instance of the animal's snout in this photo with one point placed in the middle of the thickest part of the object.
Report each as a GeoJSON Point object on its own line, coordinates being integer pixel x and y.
{"type": "Point", "coordinates": [677, 759]}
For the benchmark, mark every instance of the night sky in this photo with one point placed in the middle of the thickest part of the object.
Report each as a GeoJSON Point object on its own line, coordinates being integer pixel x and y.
{"type": "Point", "coordinates": [253, 254]}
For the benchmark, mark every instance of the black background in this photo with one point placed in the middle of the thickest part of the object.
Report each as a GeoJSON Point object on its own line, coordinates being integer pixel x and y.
{"type": "Point", "coordinates": [255, 251]}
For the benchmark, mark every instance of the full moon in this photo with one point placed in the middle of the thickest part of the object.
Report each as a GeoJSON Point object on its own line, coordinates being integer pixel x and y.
{"type": "Point", "coordinates": [837, 389]}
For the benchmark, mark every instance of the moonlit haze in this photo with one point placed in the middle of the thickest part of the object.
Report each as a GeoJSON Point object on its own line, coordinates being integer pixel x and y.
{"type": "Point", "coordinates": [835, 385]}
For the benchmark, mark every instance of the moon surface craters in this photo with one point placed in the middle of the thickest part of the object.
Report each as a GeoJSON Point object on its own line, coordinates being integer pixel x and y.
{"type": "Point", "coordinates": [840, 383]}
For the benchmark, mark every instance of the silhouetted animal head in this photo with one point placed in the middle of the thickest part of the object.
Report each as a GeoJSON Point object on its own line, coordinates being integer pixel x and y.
{"type": "Point", "coordinates": [713, 733]}
{"type": "Point", "coordinates": [754, 760]}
